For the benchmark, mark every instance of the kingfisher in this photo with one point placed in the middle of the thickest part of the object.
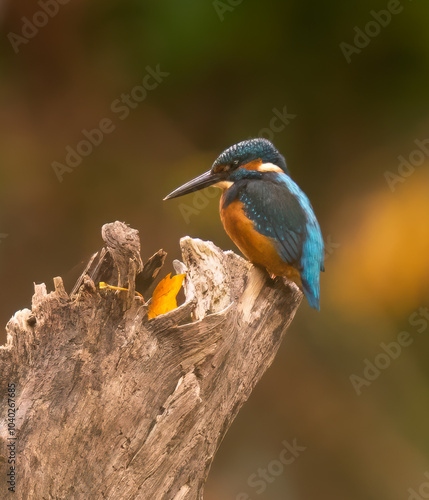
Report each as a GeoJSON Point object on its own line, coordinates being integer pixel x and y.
{"type": "Point", "coordinates": [265, 213]}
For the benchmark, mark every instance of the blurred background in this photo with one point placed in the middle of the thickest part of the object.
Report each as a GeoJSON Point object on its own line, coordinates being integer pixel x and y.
{"type": "Point", "coordinates": [342, 90]}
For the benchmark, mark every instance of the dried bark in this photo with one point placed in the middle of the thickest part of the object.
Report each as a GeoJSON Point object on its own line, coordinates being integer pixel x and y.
{"type": "Point", "coordinates": [112, 405]}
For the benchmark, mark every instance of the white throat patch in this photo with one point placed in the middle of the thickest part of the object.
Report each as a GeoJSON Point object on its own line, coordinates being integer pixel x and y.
{"type": "Point", "coordinates": [223, 184]}
{"type": "Point", "coordinates": [270, 167]}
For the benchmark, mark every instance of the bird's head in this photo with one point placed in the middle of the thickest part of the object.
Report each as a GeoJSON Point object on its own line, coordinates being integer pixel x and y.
{"type": "Point", "coordinates": [251, 155]}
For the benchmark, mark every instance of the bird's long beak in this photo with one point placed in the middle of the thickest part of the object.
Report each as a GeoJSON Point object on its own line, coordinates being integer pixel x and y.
{"type": "Point", "coordinates": [205, 180]}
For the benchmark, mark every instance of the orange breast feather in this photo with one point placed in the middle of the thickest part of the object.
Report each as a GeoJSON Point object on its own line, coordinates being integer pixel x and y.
{"type": "Point", "coordinates": [258, 248]}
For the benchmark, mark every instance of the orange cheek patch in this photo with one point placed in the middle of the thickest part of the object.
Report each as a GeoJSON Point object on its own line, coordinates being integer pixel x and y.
{"type": "Point", "coordinates": [253, 165]}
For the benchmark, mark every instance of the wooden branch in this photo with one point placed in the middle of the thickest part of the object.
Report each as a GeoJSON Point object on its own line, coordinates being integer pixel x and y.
{"type": "Point", "coordinates": [112, 405]}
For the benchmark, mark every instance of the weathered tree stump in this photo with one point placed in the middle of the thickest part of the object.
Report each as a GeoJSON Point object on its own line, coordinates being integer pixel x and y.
{"type": "Point", "coordinates": [108, 404]}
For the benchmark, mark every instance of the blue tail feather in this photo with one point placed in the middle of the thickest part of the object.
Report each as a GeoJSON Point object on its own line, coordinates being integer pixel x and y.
{"type": "Point", "coordinates": [311, 291]}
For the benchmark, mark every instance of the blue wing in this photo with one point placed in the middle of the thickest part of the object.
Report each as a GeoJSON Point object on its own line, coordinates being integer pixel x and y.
{"type": "Point", "coordinates": [281, 211]}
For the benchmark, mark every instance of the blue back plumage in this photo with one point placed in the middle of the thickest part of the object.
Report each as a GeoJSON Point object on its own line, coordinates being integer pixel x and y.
{"type": "Point", "coordinates": [312, 254]}
{"type": "Point", "coordinates": [281, 211]}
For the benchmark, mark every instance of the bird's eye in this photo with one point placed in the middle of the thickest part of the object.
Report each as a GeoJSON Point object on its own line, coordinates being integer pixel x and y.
{"type": "Point", "coordinates": [235, 164]}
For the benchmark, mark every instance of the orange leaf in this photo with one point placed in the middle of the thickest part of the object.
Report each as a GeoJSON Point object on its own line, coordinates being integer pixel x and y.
{"type": "Point", "coordinates": [164, 295]}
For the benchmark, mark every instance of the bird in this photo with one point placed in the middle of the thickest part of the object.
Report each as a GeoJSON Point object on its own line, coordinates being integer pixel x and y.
{"type": "Point", "coordinates": [265, 213]}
